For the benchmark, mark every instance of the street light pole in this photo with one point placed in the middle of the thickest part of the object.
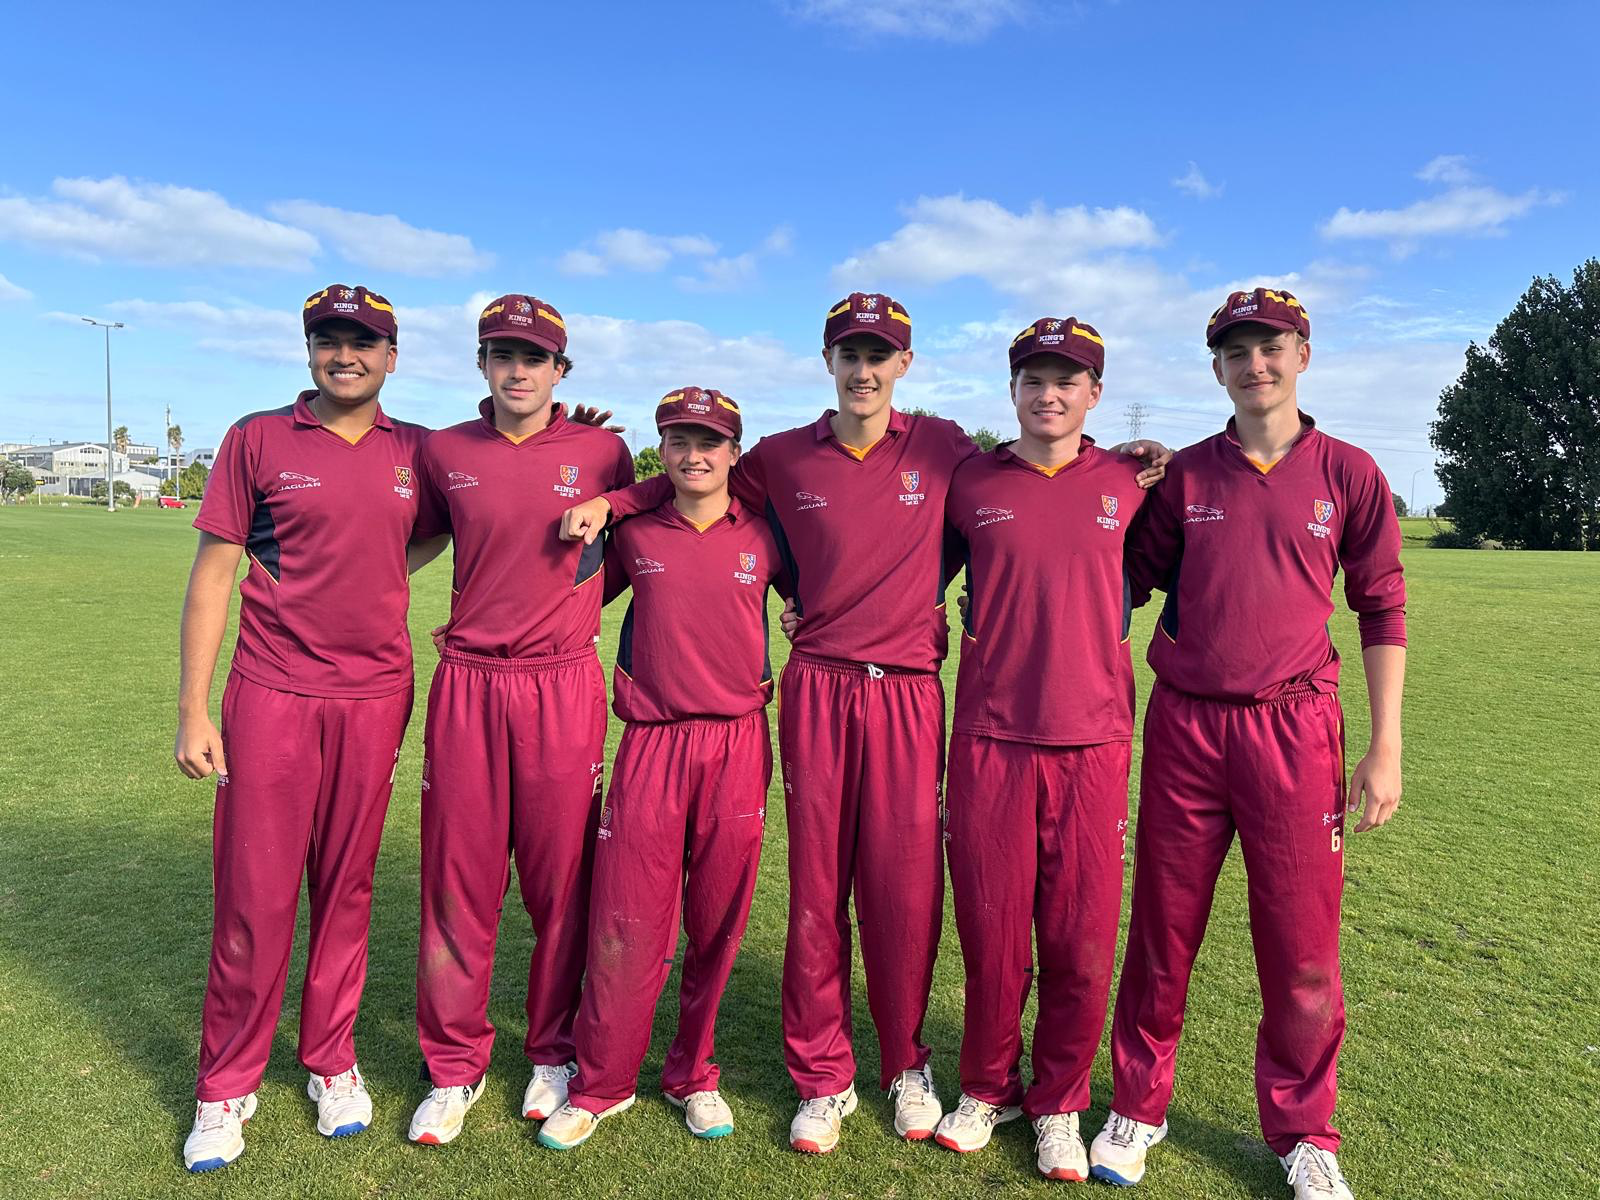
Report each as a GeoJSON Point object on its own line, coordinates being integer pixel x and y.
{"type": "Point", "coordinates": [1412, 508]}
{"type": "Point", "coordinates": [111, 452]}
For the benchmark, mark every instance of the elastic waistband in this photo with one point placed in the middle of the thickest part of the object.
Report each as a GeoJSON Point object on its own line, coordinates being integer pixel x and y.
{"type": "Point", "coordinates": [1292, 694]}
{"type": "Point", "coordinates": [754, 715]}
{"type": "Point", "coordinates": [843, 666]}
{"type": "Point", "coordinates": [518, 666]}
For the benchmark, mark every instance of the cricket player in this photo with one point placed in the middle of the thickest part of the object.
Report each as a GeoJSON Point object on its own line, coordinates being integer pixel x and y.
{"type": "Point", "coordinates": [322, 495]}
{"type": "Point", "coordinates": [682, 824]}
{"type": "Point", "coordinates": [1037, 795]}
{"type": "Point", "coordinates": [856, 504]}
{"type": "Point", "coordinates": [1244, 734]}
{"type": "Point", "coordinates": [516, 714]}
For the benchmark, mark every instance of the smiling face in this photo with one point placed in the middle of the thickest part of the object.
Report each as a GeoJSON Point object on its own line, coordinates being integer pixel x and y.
{"type": "Point", "coordinates": [521, 375]}
{"type": "Point", "coordinates": [1260, 366]}
{"type": "Point", "coordinates": [697, 459]}
{"type": "Point", "coordinates": [864, 370]}
{"type": "Point", "coordinates": [349, 362]}
{"type": "Point", "coordinates": [1053, 395]}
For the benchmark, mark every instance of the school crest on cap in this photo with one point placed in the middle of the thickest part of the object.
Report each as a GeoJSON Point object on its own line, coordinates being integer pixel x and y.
{"type": "Point", "coordinates": [747, 562]}
{"type": "Point", "coordinates": [1323, 510]}
{"type": "Point", "coordinates": [569, 475]}
{"type": "Point", "coordinates": [910, 479]}
{"type": "Point", "coordinates": [402, 476]}
{"type": "Point", "coordinates": [1109, 503]}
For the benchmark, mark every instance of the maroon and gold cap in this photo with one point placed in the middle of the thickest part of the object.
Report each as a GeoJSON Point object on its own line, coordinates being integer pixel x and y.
{"type": "Point", "coordinates": [1264, 306]}
{"type": "Point", "coordinates": [700, 406]}
{"type": "Point", "coordinates": [526, 318]}
{"type": "Point", "coordinates": [1066, 337]}
{"type": "Point", "coordinates": [868, 312]}
{"type": "Point", "coordinates": [340, 302]}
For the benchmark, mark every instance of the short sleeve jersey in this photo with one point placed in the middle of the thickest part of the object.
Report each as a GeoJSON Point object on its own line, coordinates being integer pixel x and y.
{"type": "Point", "coordinates": [518, 590]}
{"type": "Point", "coordinates": [861, 533]}
{"type": "Point", "coordinates": [1248, 560]}
{"type": "Point", "coordinates": [325, 523]}
{"type": "Point", "coordinates": [694, 641]}
{"type": "Point", "coordinates": [1044, 650]}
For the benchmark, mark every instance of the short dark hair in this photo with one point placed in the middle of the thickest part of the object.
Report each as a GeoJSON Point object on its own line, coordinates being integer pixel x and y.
{"type": "Point", "coordinates": [562, 360]}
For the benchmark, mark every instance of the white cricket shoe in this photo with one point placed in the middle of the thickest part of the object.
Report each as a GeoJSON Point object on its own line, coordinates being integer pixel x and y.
{"type": "Point", "coordinates": [705, 1113]}
{"type": "Point", "coordinates": [571, 1126]}
{"type": "Point", "coordinates": [1059, 1150]}
{"type": "Point", "coordinates": [547, 1090]}
{"type": "Point", "coordinates": [815, 1128]}
{"type": "Point", "coordinates": [438, 1119]}
{"type": "Point", "coordinates": [1314, 1174]}
{"type": "Point", "coordinates": [917, 1110]}
{"type": "Point", "coordinates": [1117, 1155]}
{"type": "Point", "coordinates": [972, 1123]}
{"type": "Point", "coordinates": [218, 1134]}
{"type": "Point", "coordinates": [343, 1105]}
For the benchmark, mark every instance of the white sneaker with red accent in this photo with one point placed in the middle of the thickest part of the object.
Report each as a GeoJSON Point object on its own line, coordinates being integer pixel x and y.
{"type": "Point", "coordinates": [218, 1134]}
{"type": "Point", "coordinates": [439, 1118]}
{"type": "Point", "coordinates": [972, 1123]}
{"type": "Point", "coordinates": [815, 1128]}
{"type": "Point", "coordinates": [1314, 1173]}
{"type": "Point", "coordinates": [547, 1089]}
{"type": "Point", "coordinates": [917, 1111]}
{"type": "Point", "coordinates": [344, 1106]}
{"type": "Point", "coordinates": [1059, 1150]}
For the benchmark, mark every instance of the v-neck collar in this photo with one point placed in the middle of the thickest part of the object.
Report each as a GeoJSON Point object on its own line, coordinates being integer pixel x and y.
{"type": "Point", "coordinates": [486, 414]}
{"type": "Point", "coordinates": [303, 415]}
{"type": "Point", "coordinates": [1005, 453]}
{"type": "Point", "coordinates": [823, 430]}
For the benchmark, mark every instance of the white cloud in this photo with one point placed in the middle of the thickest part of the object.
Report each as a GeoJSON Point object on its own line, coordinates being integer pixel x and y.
{"type": "Point", "coordinates": [160, 225]}
{"type": "Point", "coordinates": [935, 20]}
{"type": "Point", "coordinates": [10, 291]}
{"type": "Point", "coordinates": [265, 335]}
{"type": "Point", "coordinates": [1447, 168]}
{"type": "Point", "coordinates": [633, 250]}
{"type": "Point", "coordinates": [1464, 209]}
{"type": "Point", "coordinates": [948, 237]}
{"type": "Point", "coordinates": [1196, 184]}
{"type": "Point", "coordinates": [385, 242]}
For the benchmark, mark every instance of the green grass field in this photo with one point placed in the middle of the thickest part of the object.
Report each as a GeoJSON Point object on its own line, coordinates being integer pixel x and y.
{"type": "Point", "coordinates": [1471, 953]}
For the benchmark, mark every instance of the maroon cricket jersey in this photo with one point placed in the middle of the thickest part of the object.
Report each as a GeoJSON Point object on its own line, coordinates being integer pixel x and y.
{"type": "Point", "coordinates": [1044, 652]}
{"type": "Point", "coordinates": [518, 590]}
{"type": "Point", "coordinates": [694, 642]}
{"type": "Point", "coordinates": [1248, 560]}
{"type": "Point", "coordinates": [325, 522]}
{"type": "Point", "coordinates": [861, 535]}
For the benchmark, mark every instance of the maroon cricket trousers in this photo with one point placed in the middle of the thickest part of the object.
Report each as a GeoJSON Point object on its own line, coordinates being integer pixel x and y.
{"type": "Point", "coordinates": [305, 795]}
{"type": "Point", "coordinates": [862, 750]}
{"type": "Point", "coordinates": [512, 770]}
{"type": "Point", "coordinates": [1274, 773]}
{"type": "Point", "coordinates": [1035, 841]}
{"type": "Point", "coordinates": [680, 831]}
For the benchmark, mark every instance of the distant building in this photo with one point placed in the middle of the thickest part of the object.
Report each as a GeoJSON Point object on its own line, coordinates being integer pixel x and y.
{"type": "Point", "coordinates": [206, 456]}
{"type": "Point", "coordinates": [70, 459]}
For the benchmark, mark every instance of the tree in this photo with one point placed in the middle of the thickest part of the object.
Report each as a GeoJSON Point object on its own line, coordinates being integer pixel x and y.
{"type": "Point", "coordinates": [1519, 432]}
{"type": "Point", "coordinates": [120, 439]}
{"type": "Point", "coordinates": [192, 481]}
{"type": "Point", "coordinates": [175, 440]}
{"type": "Point", "coordinates": [123, 493]}
{"type": "Point", "coordinates": [986, 438]}
{"type": "Point", "coordinates": [167, 488]}
{"type": "Point", "coordinates": [16, 481]}
{"type": "Point", "coordinates": [1399, 504]}
{"type": "Point", "coordinates": [647, 463]}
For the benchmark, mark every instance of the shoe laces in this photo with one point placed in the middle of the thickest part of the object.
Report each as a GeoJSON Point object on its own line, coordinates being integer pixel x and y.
{"type": "Point", "coordinates": [1056, 1130]}
{"type": "Point", "coordinates": [1123, 1130]}
{"type": "Point", "coordinates": [912, 1086]}
{"type": "Point", "coordinates": [820, 1108]}
{"type": "Point", "coordinates": [1315, 1165]}
{"type": "Point", "coordinates": [973, 1109]}
{"type": "Point", "coordinates": [341, 1086]}
{"type": "Point", "coordinates": [551, 1072]}
{"type": "Point", "coordinates": [211, 1115]}
{"type": "Point", "coordinates": [707, 1097]}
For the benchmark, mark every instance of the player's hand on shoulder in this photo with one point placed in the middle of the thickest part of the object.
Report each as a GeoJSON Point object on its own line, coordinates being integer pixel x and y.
{"type": "Point", "coordinates": [1375, 787]}
{"type": "Point", "coordinates": [789, 619]}
{"type": "Point", "coordinates": [585, 414]}
{"type": "Point", "coordinates": [585, 522]}
{"type": "Point", "coordinates": [1152, 454]}
{"type": "Point", "coordinates": [198, 748]}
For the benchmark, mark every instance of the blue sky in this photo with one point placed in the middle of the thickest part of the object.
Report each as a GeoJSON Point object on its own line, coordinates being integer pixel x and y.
{"type": "Point", "coordinates": [693, 185]}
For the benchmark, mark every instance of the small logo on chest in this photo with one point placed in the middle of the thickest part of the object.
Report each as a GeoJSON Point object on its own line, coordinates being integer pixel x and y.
{"type": "Point", "coordinates": [805, 500]}
{"type": "Point", "coordinates": [402, 482]}
{"type": "Point", "coordinates": [1322, 510]}
{"type": "Point", "coordinates": [294, 481]}
{"type": "Point", "coordinates": [648, 566]}
{"type": "Point", "coordinates": [569, 482]}
{"type": "Point", "coordinates": [988, 516]}
{"type": "Point", "coordinates": [457, 480]}
{"type": "Point", "coordinates": [747, 566]}
{"type": "Point", "coordinates": [913, 494]}
{"type": "Point", "coordinates": [1108, 506]}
